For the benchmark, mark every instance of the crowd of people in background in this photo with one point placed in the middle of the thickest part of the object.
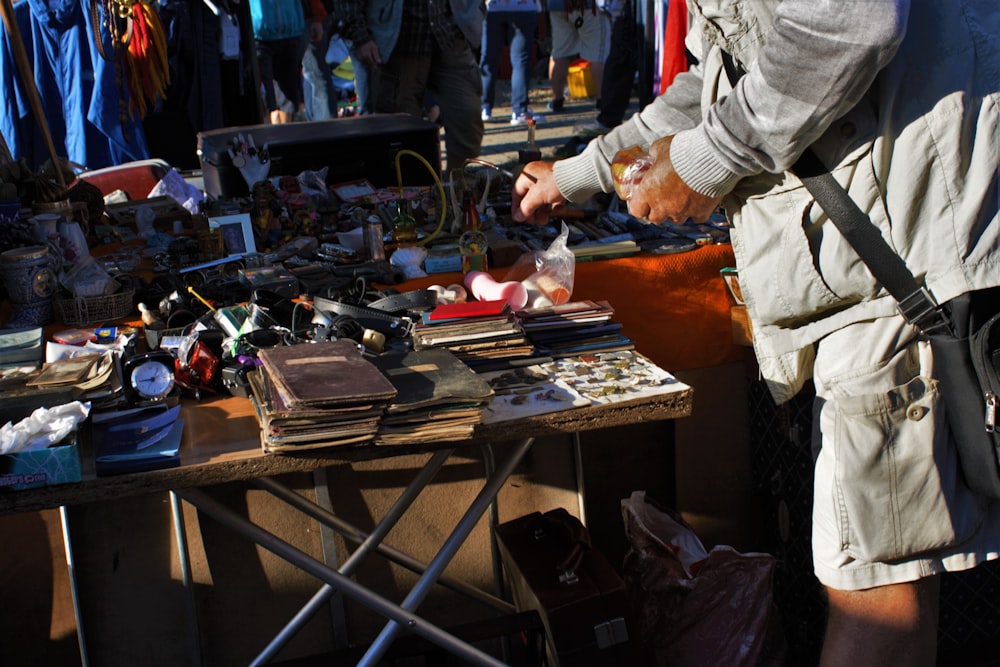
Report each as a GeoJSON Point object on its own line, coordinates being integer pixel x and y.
{"type": "Point", "coordinates": [439, 59]}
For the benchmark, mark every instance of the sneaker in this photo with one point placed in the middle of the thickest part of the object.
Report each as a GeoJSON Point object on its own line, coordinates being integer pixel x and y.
{"type": "Point", "coordinates": [557, 105]}
{"type": "Point", "coordinates": [523, 118]}
{"type": "Point", "coordinates": [487, 114]}
{"type": "Point", "coordinates": [592, 129]}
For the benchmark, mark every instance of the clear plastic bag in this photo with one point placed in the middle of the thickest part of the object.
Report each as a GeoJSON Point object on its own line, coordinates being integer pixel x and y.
{"type": "Point", "coordinates": [627, 168]}
{"type": "Point", "coordinates": [547, 274]}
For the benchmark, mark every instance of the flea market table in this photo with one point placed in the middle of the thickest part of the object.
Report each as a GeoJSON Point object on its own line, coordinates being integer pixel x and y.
{"type": "Point", "coordinates": [675, 307]}
{"type": "Point", "coordinates": [221, 445]}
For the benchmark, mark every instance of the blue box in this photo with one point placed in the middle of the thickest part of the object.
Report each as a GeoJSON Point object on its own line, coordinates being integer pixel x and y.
{"type": "Point", "coordinates": [58, 464]}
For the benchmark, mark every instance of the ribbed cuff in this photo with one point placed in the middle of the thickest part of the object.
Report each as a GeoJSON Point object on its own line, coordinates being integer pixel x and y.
{"type": "Point", "coordinates": [695, 161]}
{"type": "Point", "coordinates": [576, 178]}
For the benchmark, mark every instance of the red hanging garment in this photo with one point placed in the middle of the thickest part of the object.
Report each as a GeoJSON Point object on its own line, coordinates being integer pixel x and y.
{"type": "Point", "coordinates": [674, 61]}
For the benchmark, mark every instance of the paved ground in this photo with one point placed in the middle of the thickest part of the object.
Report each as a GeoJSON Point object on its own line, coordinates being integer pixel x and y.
{"type": "Point", "coordinates": [502, 140]}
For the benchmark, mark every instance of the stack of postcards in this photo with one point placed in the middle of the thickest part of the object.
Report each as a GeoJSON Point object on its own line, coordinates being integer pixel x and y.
{"type": "Point", "coordinates": [477, 331]}
{"type": "Point", "coordinates": [313, 395]}
{"type": "Point", "coordinates": [438, 399]}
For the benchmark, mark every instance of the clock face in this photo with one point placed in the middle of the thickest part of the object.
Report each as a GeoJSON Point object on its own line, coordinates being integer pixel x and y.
{"type": "Point", "coordinates": [152, 379]}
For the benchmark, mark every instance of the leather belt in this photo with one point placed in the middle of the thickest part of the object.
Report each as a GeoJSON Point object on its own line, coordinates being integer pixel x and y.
{"type": "Point", "coordinates": [377, 315]}
{"type": "Point", "coordinates": [419, 299]}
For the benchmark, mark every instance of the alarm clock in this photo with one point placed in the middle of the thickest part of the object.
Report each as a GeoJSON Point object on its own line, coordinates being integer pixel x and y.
{"type": "Point", "coordinates": [148, 377]}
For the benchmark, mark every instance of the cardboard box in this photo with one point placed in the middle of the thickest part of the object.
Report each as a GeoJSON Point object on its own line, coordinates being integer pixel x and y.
{"type": "Point", "coordinates": [580, 79]}
{"type": "Point", "coordinates": [351, 148]}
{"type": "Point", "coordinates": [59, 464]}
{"type": "Point", "coordinates": [742, 330]}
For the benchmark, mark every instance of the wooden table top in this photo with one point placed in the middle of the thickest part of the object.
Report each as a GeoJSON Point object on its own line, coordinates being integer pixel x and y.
{"type": "Point", "coordinates": [222, 444]}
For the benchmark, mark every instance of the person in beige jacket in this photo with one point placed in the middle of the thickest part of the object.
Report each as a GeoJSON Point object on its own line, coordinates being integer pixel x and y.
{"type": "Point", "coordinates": [901, 101]}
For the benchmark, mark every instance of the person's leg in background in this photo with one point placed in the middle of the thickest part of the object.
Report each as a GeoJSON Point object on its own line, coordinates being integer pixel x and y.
{"type": "Point", "coordinates": [265, 65]}
{"type": "Point", "coordinates": [564, 50]}
{"type": "Point", "coordinates": [523, 25]}
{"type": "Point", "coordinates": [619, 74]}
{"type": "Point", "coordinates": [400, 85]}
{"type": "Point", "coordinates": [287, 63]}
{"type": "Point", "coordinates": [455, 83]}
{"type": "Point", "coordinates": [593, 41]}
{"type": "Point", "coordinates": [364, 81]}
{"type": "Point", "coordinates": [490, 53]}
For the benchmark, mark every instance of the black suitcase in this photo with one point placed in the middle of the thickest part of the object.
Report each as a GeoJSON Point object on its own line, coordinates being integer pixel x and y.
{"type": "Point", "coordinates": [350, 148]}
{"type": "Point", "coordinates": [582, 600]}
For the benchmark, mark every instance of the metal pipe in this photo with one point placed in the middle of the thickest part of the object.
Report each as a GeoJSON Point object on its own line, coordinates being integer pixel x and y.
{"type": "Point", "coordinates": [303, 561]}
{"type": "Point", "coordinates": [465, 526]}
{"type": "Point", "coordinates": [185, 564]}
{"type": "Point", "coordinates": [391, 518]}
{"type": "Point", "coordinates": [352, 533]}
{"type": "Point", "coordinates": [73, 588]}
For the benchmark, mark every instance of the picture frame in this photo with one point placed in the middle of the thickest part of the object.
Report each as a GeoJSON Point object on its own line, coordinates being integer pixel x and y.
{"type": "Point", "coordinates": [237, 233]}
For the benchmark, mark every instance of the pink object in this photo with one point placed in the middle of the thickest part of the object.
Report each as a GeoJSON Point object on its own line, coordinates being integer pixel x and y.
{"type": "Point", "coordinates": [485, 288]}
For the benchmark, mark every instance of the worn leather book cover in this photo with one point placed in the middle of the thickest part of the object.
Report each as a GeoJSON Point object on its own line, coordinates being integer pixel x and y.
{"type": "Point", "coordinates": [430, 377]}
{"type": "Point", "coordinates": [327, 373]}
{"type": "Point", "coordinates": [263, 392]}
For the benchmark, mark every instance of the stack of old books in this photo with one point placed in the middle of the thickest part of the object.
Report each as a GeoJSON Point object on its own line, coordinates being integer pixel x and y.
{"type": "Point", "coordinates": [438, 398]}
{"type": "Point", "coordinates": [476, 332]}
{"type": "Point", "coordinates": [313, 395]}
{"type": "Point", "coordinates": [573, 328]}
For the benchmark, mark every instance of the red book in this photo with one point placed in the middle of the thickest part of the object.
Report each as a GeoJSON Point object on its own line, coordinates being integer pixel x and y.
{"type": "Point", "coordinates": [458, 311]}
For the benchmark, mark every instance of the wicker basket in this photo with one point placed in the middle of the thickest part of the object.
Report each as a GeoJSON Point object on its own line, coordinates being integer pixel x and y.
{"type": "Point", "coordinates": [95, 310]}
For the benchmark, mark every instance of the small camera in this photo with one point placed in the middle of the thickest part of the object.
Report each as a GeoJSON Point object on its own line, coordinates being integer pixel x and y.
{"type": "Point", "coordinates": [234, 380]}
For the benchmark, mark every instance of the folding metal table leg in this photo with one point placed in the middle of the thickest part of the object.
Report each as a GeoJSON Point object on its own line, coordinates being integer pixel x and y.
{"type": "Point", "coordinates": [447, 552]}
{"type": "Point", "coordinates": [73, 588]}
{"type": "Point", "coordinates": [185, 563]}
{"type": "Point", "coordinates": [391, 518]}
{"type": "Point", "coordinates": [354, 534]}
{"type": "Point", "coordinates": [303, 561]}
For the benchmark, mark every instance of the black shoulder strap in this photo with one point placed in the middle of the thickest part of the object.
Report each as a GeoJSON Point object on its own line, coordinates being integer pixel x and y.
{"type": "Point", "coordinates": [915, 302]}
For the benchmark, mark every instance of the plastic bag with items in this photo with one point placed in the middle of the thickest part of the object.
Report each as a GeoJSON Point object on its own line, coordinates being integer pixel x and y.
{"type": "Point", "coordinates": [548, 274]}
{"type": "Point", "coordinates": [697, 608]}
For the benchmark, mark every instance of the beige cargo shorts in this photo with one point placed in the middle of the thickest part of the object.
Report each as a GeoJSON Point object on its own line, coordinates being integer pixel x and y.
{"type": "Point", "coordinates": [889, 502]}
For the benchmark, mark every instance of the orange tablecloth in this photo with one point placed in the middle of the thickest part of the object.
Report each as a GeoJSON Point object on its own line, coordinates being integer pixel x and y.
{"type": "Point", "coordinates": [675, 307]}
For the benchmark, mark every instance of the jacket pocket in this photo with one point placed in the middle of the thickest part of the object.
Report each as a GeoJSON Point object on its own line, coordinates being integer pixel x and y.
{"type": "Point", "coordinates": [793, 254]}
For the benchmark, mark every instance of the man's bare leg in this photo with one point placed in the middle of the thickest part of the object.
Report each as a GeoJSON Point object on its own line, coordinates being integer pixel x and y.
{"type": "Point", "coordinates": [890, 625]}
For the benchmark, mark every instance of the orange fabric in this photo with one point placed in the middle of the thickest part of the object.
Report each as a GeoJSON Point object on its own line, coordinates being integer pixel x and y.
{"type": "Point", "coordinates": [674, 307]}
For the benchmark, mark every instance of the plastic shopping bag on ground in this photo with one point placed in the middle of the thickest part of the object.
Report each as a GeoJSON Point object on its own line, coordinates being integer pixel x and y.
{"type": "Point", "coordinates": [697, 608]}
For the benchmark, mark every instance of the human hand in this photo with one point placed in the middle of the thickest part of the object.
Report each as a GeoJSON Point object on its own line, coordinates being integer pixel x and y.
{"type": "Point", "coordinates": [663, 195]}
{"type": "Point", "coordinates": [368, 54]}
{"type": "Point", "coordinates": [535, 193]}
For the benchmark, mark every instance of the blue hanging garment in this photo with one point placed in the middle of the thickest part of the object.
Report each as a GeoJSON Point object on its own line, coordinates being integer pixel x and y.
{"type": "Point", "coordinates": [78, 89]}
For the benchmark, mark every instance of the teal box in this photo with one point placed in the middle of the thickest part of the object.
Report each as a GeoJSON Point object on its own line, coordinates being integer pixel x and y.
{"type": "Point", "coordinates": [58, 464]}
{"type": "Point", "coordinates": [443, 259]}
